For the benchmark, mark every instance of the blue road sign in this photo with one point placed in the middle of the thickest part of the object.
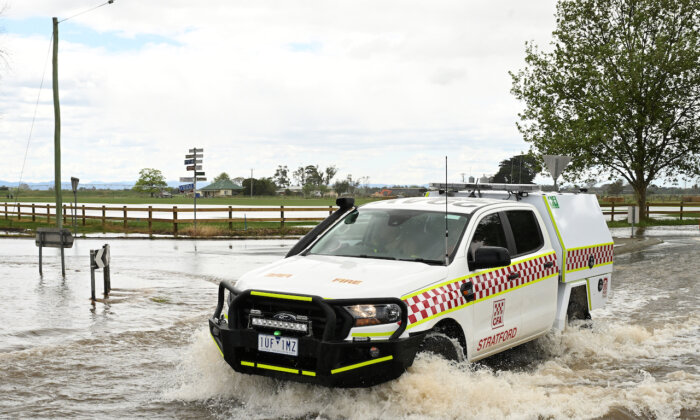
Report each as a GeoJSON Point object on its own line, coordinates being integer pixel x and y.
{"type": "Point", "coordinates": [186, 187]}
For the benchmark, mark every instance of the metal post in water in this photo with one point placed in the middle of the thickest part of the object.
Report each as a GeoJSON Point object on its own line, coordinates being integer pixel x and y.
{"type": "Point", "coordinates": [75, 213]}
{"type": "Point", "coordinates": [92, 275]}
{"type": "Point", "coordinates": [107, 278]}
{"type": "Point", "coordinates": [40, 247]}
{"type": "Point", "coordinates": [107, 281]}
{"type": "Point", "coordinates": [63, 262]}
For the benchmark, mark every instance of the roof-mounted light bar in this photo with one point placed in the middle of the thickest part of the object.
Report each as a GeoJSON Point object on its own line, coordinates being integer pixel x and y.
{"type": "Point", "coordinates": [460, 186]}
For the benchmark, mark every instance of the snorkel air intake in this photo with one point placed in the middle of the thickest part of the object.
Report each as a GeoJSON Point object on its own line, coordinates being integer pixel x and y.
{"type": "Point", "coordinates": [344, 204]}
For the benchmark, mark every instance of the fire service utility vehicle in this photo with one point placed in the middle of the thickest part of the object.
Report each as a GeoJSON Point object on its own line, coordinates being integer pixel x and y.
{"type": "Point", "coordinates": [486, 266]}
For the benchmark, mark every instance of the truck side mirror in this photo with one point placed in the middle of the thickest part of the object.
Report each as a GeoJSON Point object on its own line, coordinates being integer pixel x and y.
{"type": "Point", "coordinates": [490, 257]}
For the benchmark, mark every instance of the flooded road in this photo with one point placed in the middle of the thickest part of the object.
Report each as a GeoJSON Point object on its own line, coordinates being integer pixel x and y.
{"type": "Point", "coordinates": [148, 354]}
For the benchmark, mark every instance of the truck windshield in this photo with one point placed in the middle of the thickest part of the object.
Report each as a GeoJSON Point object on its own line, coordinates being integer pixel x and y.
{"type": "Point", "coordinates": [406, 235]}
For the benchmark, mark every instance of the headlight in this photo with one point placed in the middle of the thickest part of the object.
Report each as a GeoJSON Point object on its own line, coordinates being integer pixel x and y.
{"type": "Point", "coordinates": [374, 314]}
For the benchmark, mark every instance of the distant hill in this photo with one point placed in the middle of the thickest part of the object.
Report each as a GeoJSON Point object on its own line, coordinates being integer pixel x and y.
{"type": "Point", "coordinates": [100, 185]}
{"type": "Point", "coordinates": [120, 185]}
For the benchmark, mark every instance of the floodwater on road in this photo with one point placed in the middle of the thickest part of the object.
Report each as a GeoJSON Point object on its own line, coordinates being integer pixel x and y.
{"type": "Point", "coordinates": [147, 352]}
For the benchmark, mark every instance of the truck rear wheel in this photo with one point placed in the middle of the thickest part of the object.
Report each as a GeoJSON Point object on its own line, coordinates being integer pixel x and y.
{"type": "Point", "coordinates": [578, 305]}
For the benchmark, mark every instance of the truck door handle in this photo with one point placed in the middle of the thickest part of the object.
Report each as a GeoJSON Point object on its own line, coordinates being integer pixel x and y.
{"type": "Point", "coordinates": [549, 264]}
{"type": "Point", "coordinates": [513, 276]}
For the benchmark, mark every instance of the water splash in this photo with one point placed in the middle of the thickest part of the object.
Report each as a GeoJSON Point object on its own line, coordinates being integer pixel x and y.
{"type": "Point", "coordinates": [582, 376]}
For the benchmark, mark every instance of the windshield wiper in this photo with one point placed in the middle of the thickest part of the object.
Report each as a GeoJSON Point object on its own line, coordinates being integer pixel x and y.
{"type": "Point", "coordinates": [423, 260]}
{"type": "Point", "coordinates": [377, 257]}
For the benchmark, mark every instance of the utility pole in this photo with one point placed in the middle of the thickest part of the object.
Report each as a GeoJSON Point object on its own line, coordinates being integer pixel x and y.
{"type": "Point", "coordinates": [57, 131]}
{"type": "Point", "coordinates": [251, 182]}
{"type": "Point", "coordinates": [520, 178]}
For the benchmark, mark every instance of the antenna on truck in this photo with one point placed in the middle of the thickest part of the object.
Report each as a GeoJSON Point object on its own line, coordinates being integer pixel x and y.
{"type": "Point", "coordinates": [447, 233]}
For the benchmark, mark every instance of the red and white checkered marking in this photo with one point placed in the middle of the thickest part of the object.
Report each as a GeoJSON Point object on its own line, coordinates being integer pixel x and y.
{"type": "Point", "coordinates": [578, 258]}
{"type": "Point", "coordinates": [446, 297]}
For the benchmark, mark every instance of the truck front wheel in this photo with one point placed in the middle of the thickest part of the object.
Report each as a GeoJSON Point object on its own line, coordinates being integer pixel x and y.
{"type": "Point", "coordinates": [446, 340]}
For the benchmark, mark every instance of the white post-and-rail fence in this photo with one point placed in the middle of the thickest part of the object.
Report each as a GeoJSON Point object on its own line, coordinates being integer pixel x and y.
{"type": "Point", "coordinates": [47, 213]}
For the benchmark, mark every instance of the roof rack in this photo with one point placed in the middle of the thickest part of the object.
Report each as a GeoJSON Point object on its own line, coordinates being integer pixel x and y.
{"type": "Point", "coordinates": [458, 186]}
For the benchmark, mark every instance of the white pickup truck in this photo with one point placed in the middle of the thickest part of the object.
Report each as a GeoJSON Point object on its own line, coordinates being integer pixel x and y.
{"type": "Point", "coordinates": [356, 298]}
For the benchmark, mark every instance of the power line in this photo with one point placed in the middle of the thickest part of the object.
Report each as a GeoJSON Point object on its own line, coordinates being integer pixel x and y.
{"type": "Point", "coordinates": [86, 11]}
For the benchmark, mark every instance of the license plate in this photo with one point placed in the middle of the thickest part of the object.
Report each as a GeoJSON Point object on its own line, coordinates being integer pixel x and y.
{"type": "Point", "coordinates": [281, 345]}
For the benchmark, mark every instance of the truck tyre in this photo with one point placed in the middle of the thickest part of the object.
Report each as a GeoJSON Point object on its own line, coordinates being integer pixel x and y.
{"type": "Point", "coordinates": [578, 305]}
{"type": "Point", "coordinates": [446, 340]}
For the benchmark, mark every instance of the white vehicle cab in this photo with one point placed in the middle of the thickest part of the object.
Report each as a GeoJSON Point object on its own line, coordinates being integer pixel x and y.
{"type": "Point", "coordinates": [369, 287]}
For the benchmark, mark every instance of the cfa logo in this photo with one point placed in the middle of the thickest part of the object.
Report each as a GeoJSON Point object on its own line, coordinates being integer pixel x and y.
{"type": "Point", "coordinates": [499, 308]}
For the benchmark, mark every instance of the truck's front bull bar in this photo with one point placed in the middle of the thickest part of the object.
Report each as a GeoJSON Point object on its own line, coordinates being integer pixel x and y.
{"type": "Point", "coordinates": [336, 362]}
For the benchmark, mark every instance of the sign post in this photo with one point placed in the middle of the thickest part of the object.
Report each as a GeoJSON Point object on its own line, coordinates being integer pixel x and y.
{"type": "Point", "coordinates": [100, 258]}
{"type": "Point", "coordinates": [53, 238]}
{"type": "Point", "coordinates": [632, 218]}
{"type": "Point", "coordinates": [192, 163]}
{"type": "Point", "coordinates": [74, 185]}
{"type": "Point", "coordinates": [556, 164]}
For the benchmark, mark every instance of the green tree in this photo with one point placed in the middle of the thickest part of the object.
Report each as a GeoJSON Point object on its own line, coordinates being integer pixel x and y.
{"type": "Point", "coordinates": [299, 176]}
{"type": "Point", "coordinates": [519, 169]}
{"type": "Point", "coordinates": [150, 181]}
{"type": "Point", "coordinates": [281, 176]}
{"type": "Point", "coordinates": [341, 187]}
{"type": "Point", "coordinates": [615, 188]}
{"type": "Point", "coordinates": [330, 173]}
{"type": "Point", "coordinates": [312, 175]}
{"type": "Point", "coordinates": [262, 186]}
{"type": "Point", "coordinates": [619, 91]}
{"type": "Point", "coordinates": [353, 184]}
{"type": "Point", "coordinates": [222, 177]}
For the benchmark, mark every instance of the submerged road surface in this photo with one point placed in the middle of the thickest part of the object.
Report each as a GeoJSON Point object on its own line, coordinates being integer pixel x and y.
{"type": "Point", "coordinates": [148, 354]}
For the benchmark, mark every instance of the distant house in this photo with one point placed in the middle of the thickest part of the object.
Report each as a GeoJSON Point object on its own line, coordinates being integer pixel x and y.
{"type": "Point", "coordinates": [222, 188]}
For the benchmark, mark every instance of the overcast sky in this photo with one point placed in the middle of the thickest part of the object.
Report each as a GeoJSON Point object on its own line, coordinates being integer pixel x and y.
{"type": "Point", "coordinates": [378, 88]}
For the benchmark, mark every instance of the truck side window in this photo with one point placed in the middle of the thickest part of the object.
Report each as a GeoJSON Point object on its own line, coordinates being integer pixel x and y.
{"type": "Point", "coordinates": [526, 231]}
{"type": "Point", "coordinates": [489, 232]}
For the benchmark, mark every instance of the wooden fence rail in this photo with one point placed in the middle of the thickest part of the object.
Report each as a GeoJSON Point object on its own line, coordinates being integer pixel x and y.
{"type": "Point", "coordinates": [122, 213]}
{"type": "Point", "coordinates": [689, 208]}
{"type": "Point", "coordinates": [47, 212]}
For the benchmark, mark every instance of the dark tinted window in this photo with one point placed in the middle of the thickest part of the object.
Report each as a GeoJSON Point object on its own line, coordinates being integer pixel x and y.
{"type": "Point", "coordinates": [489, 232]}
{"type": "Point", "coordinates": [526, 231]}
